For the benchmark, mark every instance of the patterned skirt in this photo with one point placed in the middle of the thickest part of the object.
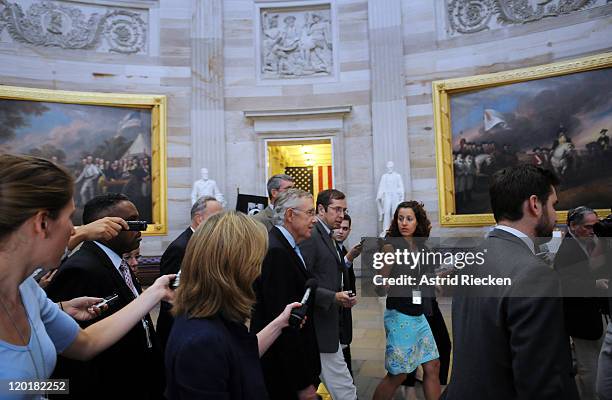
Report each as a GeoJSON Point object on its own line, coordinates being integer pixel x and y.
{"type": "Point", "coordinates": [410, 342]}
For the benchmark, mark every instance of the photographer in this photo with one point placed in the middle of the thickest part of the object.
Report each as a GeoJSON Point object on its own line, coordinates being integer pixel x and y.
{"type": "Point", "coordinates": [603, 229]}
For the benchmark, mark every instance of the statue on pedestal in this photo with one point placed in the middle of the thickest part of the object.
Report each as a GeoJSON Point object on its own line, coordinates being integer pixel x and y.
{"type": "Point", "coordinates": [390, 194]}
{"type": "Point", "coordinates": [206, 187]}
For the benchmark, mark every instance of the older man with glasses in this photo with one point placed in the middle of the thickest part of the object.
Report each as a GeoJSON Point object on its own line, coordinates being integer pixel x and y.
{"type": "Point", "coordinates": [582, 295]}
{"type": "Point", "coordinates": [291, 365]}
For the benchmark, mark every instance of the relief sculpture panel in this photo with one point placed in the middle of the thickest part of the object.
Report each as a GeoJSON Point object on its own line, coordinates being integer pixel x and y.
{"type": "Point", "coordinates": [296, 42]}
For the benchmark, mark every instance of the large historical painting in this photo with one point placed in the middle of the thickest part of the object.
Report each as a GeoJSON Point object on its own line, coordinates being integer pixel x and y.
{"type": "Point", "coordinates": [558, 117]}
{"type": "Point", "coordinates": [109, 149]}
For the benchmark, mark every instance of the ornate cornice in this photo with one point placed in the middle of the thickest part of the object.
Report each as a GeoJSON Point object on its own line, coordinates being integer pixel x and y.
{"type": "Point", "coordinates": [50, 24]}
{"type": "Point", "coordinates": [470, 16]}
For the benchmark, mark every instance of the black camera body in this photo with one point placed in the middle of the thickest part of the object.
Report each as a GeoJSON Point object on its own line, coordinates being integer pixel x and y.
{"type": "Point", "coordinates": [604, 227]}
{"type": "Point", "coordinates": [137, 225]}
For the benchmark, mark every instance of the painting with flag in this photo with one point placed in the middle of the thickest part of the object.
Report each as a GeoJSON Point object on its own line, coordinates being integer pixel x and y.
{"type": "Point", "coordinates": [111, 144]}
{"type": "Point", "coordinates": [553, 116]}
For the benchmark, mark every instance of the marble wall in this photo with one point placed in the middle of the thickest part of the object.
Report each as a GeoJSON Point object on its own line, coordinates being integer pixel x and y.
{"type": "Point", "coordinates": [357, 71]}
{"type": "Point", "coordinates": [432, 50]}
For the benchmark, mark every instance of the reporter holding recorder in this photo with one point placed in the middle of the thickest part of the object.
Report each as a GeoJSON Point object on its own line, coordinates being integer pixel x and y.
{"type": "Point", "coordinates": [210, 352]}
{"type": "Point", "coordinates": [36, 203]}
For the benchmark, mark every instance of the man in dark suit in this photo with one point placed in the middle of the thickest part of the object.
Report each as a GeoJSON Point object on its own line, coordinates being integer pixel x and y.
{"type": "Point", "coordinates": [509, 342]}
{"type": "Point", "coordinates": [171, 260]}
{"type": "Point", "coordinates": [326, 264]}
{"type": "Point", "coordinates": [277, 184]}
{"type": "Point", "coordinates": [583, 295]}
{"type": "Point", "coordinates": [291, 365]}
{"type": "Point", "coordinates": [133, 367]}
{"type": "Point", "coordinates": [348, 284]}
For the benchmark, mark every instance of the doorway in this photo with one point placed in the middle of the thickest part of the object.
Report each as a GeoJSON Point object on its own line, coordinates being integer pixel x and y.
{"type": "Point", "coordinates": [308, 161]}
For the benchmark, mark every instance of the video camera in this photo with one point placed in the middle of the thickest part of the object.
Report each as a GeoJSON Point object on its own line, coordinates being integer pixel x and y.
{"type": "Point", "coordinates": [604, 227]}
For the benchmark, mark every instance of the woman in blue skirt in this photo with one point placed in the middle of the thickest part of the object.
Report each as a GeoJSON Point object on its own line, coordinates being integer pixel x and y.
{"type": "Point", "coordinates": [410, 341]}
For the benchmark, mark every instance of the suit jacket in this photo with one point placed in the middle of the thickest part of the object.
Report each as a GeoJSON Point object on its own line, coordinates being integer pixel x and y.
{"type": "Point", "coordinates": [171, 264]}
{"type": "Point", "coordinates": [126, 369]}
{"type": "Point", "coordinates": [265, 217]}
{"type": "Point", "coordinates": [582, 314]}
{"type": "Point", "coordinates": [292, 363]}
{"type": "Point", "coordinates": [323, 261]}
{"type": "Point", "coordinates": [346, 315]}
{"type": "Point", "coordinates": [506, 347]}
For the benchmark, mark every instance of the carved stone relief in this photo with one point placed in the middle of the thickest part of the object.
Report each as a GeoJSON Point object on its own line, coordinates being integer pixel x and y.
{"type": "Point", "coordinates": [50, 24]}
{"type": "Point", "coordinates": [470, 16]}
{"type": "Point", "coordinates": [296, 43]}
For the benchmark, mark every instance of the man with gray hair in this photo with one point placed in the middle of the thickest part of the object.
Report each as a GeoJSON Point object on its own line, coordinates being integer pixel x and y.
{"type": "Point", "coordinates": [582, 294]}
{"type": "Point", "coordinates": [291, 366]}
{"type": "Point", "coordinates": [202, 209]}
{"type": "Point", "coordinates": [277, 184]}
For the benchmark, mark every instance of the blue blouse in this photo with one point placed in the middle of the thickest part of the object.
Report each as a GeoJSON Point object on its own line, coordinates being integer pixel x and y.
{"type": "Point", "coordinates": [52, 331]}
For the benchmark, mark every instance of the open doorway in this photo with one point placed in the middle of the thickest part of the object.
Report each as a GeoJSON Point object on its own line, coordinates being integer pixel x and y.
{"type": "Point", "coordinates": [308, 161]}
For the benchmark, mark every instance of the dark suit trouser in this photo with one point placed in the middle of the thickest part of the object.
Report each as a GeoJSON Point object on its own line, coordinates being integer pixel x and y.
{"type": "Point", "coordinates": [347, 357]}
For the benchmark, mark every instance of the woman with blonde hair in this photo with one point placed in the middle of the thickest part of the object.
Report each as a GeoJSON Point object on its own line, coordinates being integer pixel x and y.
{"type": "Point", "coordinates": [210, 352]}
{"type": "Point", "coordinates": [36, 204]}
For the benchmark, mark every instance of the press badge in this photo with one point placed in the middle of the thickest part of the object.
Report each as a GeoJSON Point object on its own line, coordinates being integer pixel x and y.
{"type": "Point", "coordinates": [416, 297]}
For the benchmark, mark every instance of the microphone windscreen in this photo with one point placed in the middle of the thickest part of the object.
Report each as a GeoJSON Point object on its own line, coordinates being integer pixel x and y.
{"type": "Point", "coordinates": [311, 283]}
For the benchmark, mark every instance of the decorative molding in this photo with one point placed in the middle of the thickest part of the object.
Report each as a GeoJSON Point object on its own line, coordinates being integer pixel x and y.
{"type": "Point", "coordinates": [298, 112]}
{"type": "Point", "coordinates": [50, 24]}
{"type": "Point", "coordinates": [471, 16]}
{"type": "Point", "coordinates": [295, 41]}
{"type": "Point", "coordinates": [304, 120]}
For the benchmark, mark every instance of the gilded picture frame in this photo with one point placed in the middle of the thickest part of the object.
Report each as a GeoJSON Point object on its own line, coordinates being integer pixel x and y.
{"type": "Point", "coordinates": [112, 142]}
{"type": "Point", "coordinates": [528, 115]}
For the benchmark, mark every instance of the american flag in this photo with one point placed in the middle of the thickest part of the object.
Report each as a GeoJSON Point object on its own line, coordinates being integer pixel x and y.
{"type": "Point", "coordinates": [302, 176]}
{"type": "Point", "coordinates": [312, 179]}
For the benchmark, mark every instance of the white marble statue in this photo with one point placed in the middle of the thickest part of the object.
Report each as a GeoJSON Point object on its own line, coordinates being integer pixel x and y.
{"type": "Point", "coordinates": [206, 187]}
{"type": "Point", "coordinates": [390, 194]}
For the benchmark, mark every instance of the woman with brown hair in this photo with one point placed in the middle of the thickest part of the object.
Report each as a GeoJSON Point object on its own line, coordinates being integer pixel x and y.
{"type": "Point", "coordinates": [410, 341]}
{"type": "Point", "coordinates": [210, 352]}
{"type": "Point", "coordinates": [36, 204]}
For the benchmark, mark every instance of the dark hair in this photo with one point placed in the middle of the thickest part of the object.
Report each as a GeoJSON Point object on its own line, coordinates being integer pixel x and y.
{"type": "Point", "coordinates": [511, 186]}
{"type": "Point", "coordinates": [348, 218]}
{"type": "Point", "coordinates": [423, 224]}
{"type": "Point", "coordinates": [102, 206]}
{"type": "Point", "coordinates": [325, 197]}
{"type": "Point", "coordinates": [28, 185]}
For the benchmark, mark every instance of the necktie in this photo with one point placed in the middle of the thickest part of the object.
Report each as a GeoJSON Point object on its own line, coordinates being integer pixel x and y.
{"type": "Point", "coordinates": [299, 254]}
{"type": "Point", "coordinates": [125, 273]}
{"type": "Point", "coordinates": [124, 269]}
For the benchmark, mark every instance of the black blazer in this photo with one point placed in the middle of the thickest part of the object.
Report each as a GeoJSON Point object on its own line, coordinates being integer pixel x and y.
{"type": "Point", "coordinates": [346, 315]}
{"type": "Point", "coordinates": [171, 264]}
{"type": "Point", "coordinates": [506, 347]}
{"type": "Point", "coordinates": [292, 363]}
{"type": "Point", "coordinates": [126, 369]}
{"type": "Point", "coordinates": [582, 314]}
{"type": "Point", "coordinates": [215, 359]}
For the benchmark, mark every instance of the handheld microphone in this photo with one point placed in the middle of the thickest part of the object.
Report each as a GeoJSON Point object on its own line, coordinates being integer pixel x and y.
{"type": "Point", "coordinates": [298, 314]}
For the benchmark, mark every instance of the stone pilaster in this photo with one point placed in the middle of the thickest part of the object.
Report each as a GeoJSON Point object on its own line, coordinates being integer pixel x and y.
{"type": "Point", "coordinates": [389, 118]}
{"type": "Point", "coordinates": [207, 110]}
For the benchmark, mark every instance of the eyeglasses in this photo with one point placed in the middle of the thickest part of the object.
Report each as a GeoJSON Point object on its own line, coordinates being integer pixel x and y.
{"type": "Point", "coordinates": [339, 210]}
{"type": "Point", "coordinates": [310, 213]}
{"type": "Point", "coordinates": [128, 257]}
